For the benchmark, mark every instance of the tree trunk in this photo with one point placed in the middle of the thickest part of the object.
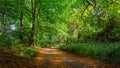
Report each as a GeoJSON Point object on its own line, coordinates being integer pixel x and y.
{"type": "Point", "coordinates": [21, 27]}
{"type": "Point", "coordinates": [4, 24]}
{"type": "Point", "coordinates": [32, 37]}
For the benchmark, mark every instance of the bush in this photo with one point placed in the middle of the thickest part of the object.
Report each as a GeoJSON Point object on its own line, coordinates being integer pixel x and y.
{"type": "Point", "coordinates": [26, 51]}
{"type": "Point", "coordinates": [109, 52]}
{"type": "Point", "coordinates": [2, 45]}
{"type": "Point", "coordinates": [5, 41]}
{"type": "Point", "coordinates": [114, 54]}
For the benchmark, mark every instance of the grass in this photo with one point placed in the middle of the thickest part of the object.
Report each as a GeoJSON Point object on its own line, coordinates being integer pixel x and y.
{"type": "Point", "coordinates": [21, 50]}
{"type": "Point", "coordinates": [109, 52]}
{"type": "Point", "coordinates": [25, 51]}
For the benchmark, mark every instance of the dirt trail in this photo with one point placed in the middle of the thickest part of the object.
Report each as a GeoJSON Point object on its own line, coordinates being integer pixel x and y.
{"type": "Point", "coordinates": [50, 58]}
{"type": "Point", "coordinates": [54, 58]}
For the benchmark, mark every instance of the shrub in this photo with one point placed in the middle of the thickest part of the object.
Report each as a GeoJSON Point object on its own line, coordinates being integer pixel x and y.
{"type": "Point", "coordinates": [26, 51]}
{"type": "Point", "coordinates": [2, 45]}
{"type": "Point", "coordinates": [109, 52]}
{"type": "Point", "coordinates": [114, 54]}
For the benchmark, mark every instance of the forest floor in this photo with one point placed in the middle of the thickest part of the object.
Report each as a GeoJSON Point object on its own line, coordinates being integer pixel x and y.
{"type": "Point", "coordinates": [51, 58]}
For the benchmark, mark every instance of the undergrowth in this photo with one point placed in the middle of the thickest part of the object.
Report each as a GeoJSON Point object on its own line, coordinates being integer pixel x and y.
{"type": "Point", "coordinates": [109, 52]}
{"type": "Point", "coordinates": [21, 50]}
{"type": "Point", "coordinates": [25, 51]}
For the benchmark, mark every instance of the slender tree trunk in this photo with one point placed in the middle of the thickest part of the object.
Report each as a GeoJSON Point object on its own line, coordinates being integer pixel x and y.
{"type": "Point", "coordinates": [32, 37]}
{"type": "Point", "coordinates": [21, 27]}
{"type": "Point", "coordinates": [4, 24]}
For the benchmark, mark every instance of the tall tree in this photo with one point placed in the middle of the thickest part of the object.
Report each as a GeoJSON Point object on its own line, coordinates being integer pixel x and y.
{"type": "Point", "coordinates": [34, 12]}
{"type": "Point", "coordinates": [21, 26]}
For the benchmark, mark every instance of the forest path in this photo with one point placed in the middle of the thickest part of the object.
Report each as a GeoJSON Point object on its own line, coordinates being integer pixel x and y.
{"type": "Point", "coordinates": [55, 58]}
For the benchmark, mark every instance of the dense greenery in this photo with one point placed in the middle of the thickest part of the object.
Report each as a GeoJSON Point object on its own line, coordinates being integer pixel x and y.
{"type": "Point", "coordinates": [40, 22]}
{"type": "Point", "coordinates": [21, 50]}
{"type": "Point", "coordinates": [26, 51]}
{"type": "Point", "coordinates": [108, 52]}
{"type": "Point", "coordinates": [50, 23]}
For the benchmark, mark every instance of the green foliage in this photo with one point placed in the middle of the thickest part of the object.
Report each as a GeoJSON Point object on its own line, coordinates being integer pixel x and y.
{"type": "Point", "coordinates": [2, 45]}
{"type": "Point", "coordinates": [114, 55]}
{"type": "Point", "coordinates": [6, 41]}
{"type": "Point", "coordinates": [109, 52]}
{"type": "Point", "coordinates": [26, 51]}
{"type": "Point", "coordinates": [61, 21]}
{"type": "Point", "coordinates": [57, 22]}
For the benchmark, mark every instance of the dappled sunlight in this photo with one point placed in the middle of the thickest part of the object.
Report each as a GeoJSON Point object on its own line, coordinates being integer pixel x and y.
{"type": "Point", "coordinates": [42, 52]}
{"type": "Point", "coordinates": [59, 33]}
{"type": "Point", "coordinates": [56, 60]}
{"type": "Point", "coordinates": [39, 58]}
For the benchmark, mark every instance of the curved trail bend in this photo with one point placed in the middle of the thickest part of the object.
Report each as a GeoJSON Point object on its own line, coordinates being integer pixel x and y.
{"type": "Point", "coordinates": [54, 58]}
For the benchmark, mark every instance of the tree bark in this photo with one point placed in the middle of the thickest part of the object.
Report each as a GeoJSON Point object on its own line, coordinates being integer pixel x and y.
{"type": "Point", "coordinates": [32, 37]}
{"type": "Point", "coordinates": [4, 25]}
{"type": "Point", "coordinates": [21, 27]}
